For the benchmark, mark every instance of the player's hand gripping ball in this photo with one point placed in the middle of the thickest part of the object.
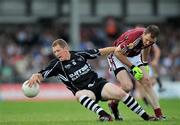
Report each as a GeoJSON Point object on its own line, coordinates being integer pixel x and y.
{"type": "Point", "coordinates": [30, 91]}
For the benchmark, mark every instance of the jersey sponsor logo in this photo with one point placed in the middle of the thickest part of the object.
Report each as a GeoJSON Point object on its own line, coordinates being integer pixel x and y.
{"type": "Point", "coordinates": [126, 37]}
{"type": "Point", "coordinates": [130, 45]}
{"type": "Point", "coordinates": [85, 69]}
{"type": "Point", "coordinates": [91, 84]}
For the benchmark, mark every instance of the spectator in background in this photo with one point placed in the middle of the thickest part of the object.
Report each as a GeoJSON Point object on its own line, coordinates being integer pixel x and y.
{"type": "Point", "coordinates": [86, 42]}
{"type": "Point", "coordinates": [111, 28]}
{"type": "Point", "coordinates": [169, 40]}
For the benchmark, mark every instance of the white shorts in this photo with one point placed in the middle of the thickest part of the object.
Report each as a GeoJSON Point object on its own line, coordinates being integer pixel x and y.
{"type": "Point", "coordinates": [115, 63]}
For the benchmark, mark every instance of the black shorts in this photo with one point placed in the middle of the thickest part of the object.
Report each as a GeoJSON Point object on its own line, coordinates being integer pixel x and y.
{"type": "Point", "coordinates": [97, 87]}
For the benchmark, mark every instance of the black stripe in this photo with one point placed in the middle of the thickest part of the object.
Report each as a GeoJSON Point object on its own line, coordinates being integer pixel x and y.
{"type": "Point", "coordinates": [96, 108]}
{"type": "Point", "coordinates": [88, 103]}
{"type": "Point", "coordinates": [133, 101]}
{"type": "Point", "coordinates": [92, 106]}
{"type": "Point", "coordinates": [140, 65]}
{"type": "Point", "coordinates": [145, 116]}
{"type": "Point", "coordinates": [139, 110]}
{"type": "Point", "coordinates": [116, 71]}
{"type": "Point", "coordinates": [127, 100]}
{"type": "Point", "coordinates": [84, 99]}
{"type": "Point", "coordinates": [135, 106]}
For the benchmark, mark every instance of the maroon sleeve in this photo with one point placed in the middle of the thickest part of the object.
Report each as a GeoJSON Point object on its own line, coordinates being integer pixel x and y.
{"type": "Point", "coordinates": [127, 38]}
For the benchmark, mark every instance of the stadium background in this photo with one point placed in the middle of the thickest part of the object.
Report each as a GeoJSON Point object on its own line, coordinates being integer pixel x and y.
{"type": "Point", "coordinates": [27, 28]}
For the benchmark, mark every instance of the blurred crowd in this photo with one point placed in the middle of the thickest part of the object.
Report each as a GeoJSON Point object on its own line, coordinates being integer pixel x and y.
{"type": "Point", "coordinates": [25, 49]}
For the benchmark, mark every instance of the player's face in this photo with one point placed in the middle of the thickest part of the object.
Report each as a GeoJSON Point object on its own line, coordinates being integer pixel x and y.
{"type": "Point", "coordinates": [61, 53]}
{"type": "Point", "coordinates": [148, 40]}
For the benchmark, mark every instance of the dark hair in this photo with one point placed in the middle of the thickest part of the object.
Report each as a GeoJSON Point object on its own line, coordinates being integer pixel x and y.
{"type": "Point", "coordinates": [60, 42]}
{"type": "Point", "coordinates": [153, 30]}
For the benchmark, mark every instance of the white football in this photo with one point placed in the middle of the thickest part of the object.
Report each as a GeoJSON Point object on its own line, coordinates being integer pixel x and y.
{"type": "Point", "coordinates": [30, 91]}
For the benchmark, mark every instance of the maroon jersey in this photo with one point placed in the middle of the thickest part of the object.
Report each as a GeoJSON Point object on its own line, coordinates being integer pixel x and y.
{"type": "Point", "coordinates": [130, 42]}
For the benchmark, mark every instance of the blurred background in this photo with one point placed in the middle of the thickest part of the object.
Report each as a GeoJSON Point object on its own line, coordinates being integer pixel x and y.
{"type": "Point", "coordinates": [28, 27]}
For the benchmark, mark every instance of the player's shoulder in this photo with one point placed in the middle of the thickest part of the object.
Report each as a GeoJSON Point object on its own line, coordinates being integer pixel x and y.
{"type": "Point", "coordinates": [133, 34]}
{"type": "Point", "coordinates": [129, 35]}
{"type": "Point", "coordinates": [77, 53]}
{"type": "Point", "coordinates": [87, 51]}
{"type": "Point", "coordinates": [138, 30]}
{"type": "Point", "coordinates": [53, 61]}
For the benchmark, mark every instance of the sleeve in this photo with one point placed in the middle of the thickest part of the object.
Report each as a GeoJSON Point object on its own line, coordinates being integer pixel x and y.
{"type": "Point", "coordinates": [50, 70]}
{"type": "Point", "coordinates": [128, 40]}
{"type": "Point", "coordinates": [123, 48]}
{"type": "Point", "coordinates": [89, 54]}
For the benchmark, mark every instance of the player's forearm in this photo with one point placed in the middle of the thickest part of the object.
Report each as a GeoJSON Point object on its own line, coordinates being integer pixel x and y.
{"type": "Point", "coordinates": [107, 50]}
{"type": "Point", "coordinates": [145, 54]}
{"type": "Point", "coordinates": [123, 58]}
{"type": "Point", "coordinates": [157, 54]}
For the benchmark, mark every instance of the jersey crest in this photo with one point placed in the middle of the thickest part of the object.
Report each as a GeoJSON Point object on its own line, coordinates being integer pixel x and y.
{"type": "Point", "coordinates": [130, 46]}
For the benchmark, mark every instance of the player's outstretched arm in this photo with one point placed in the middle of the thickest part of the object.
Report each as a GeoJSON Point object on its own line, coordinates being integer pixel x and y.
{"type": "Point", "coordinates": [35, 78]}
{"type": "Point", "coordinates": [107, 50]}
{"type": "Point", "coordinates": [120, 55]}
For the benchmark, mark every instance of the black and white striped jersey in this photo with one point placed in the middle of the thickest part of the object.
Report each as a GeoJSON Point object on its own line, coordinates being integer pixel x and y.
{"type": "Point", "coordinates": [75, 73]}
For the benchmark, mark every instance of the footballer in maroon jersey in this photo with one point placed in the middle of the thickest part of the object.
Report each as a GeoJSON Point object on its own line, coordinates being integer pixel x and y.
{"type": "Point", "coordinates": [127, 59]}
{"type": "Point", "coordinates": [131, 42]}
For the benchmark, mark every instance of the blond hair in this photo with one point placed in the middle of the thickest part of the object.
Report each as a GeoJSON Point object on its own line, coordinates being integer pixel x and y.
{"type": "Point", "coordinates": [62, 43]}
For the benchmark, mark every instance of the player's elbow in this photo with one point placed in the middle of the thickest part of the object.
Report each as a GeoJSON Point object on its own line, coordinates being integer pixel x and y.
{"type": "Point", "coordinates": [117, 52]}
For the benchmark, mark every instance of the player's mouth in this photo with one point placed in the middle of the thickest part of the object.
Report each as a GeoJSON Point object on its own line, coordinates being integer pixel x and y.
{"type": "Point", "coordinates": [147, 45]}
{"type": "Point", "coordinates": [59, 57]}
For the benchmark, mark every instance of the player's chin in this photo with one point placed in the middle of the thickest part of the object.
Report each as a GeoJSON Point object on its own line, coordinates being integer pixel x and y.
{"type": "Point", "coordinates": [147, 45]}
{"type": "Point", "coordinates": [61, 59]}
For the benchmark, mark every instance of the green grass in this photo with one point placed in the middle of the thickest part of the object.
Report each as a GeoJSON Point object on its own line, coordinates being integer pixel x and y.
{"type": "Point", "coordinates": [72, 113]}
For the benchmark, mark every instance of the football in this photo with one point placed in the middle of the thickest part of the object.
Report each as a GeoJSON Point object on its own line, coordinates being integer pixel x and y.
{"type": "Point", "coordinates": [30, 91]}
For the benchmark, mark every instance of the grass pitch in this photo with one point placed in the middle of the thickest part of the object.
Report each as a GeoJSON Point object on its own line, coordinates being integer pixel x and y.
{"type": "Point", "coordinates": [72, 113]}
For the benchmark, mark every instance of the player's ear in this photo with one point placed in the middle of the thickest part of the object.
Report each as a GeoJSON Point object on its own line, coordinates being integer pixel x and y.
{"type": "Point", "coordinates": [67, 47]}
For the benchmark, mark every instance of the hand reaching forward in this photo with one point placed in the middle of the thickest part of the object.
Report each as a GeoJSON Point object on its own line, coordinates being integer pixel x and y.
{"type": "Point", "coordinates": [35, 78]}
